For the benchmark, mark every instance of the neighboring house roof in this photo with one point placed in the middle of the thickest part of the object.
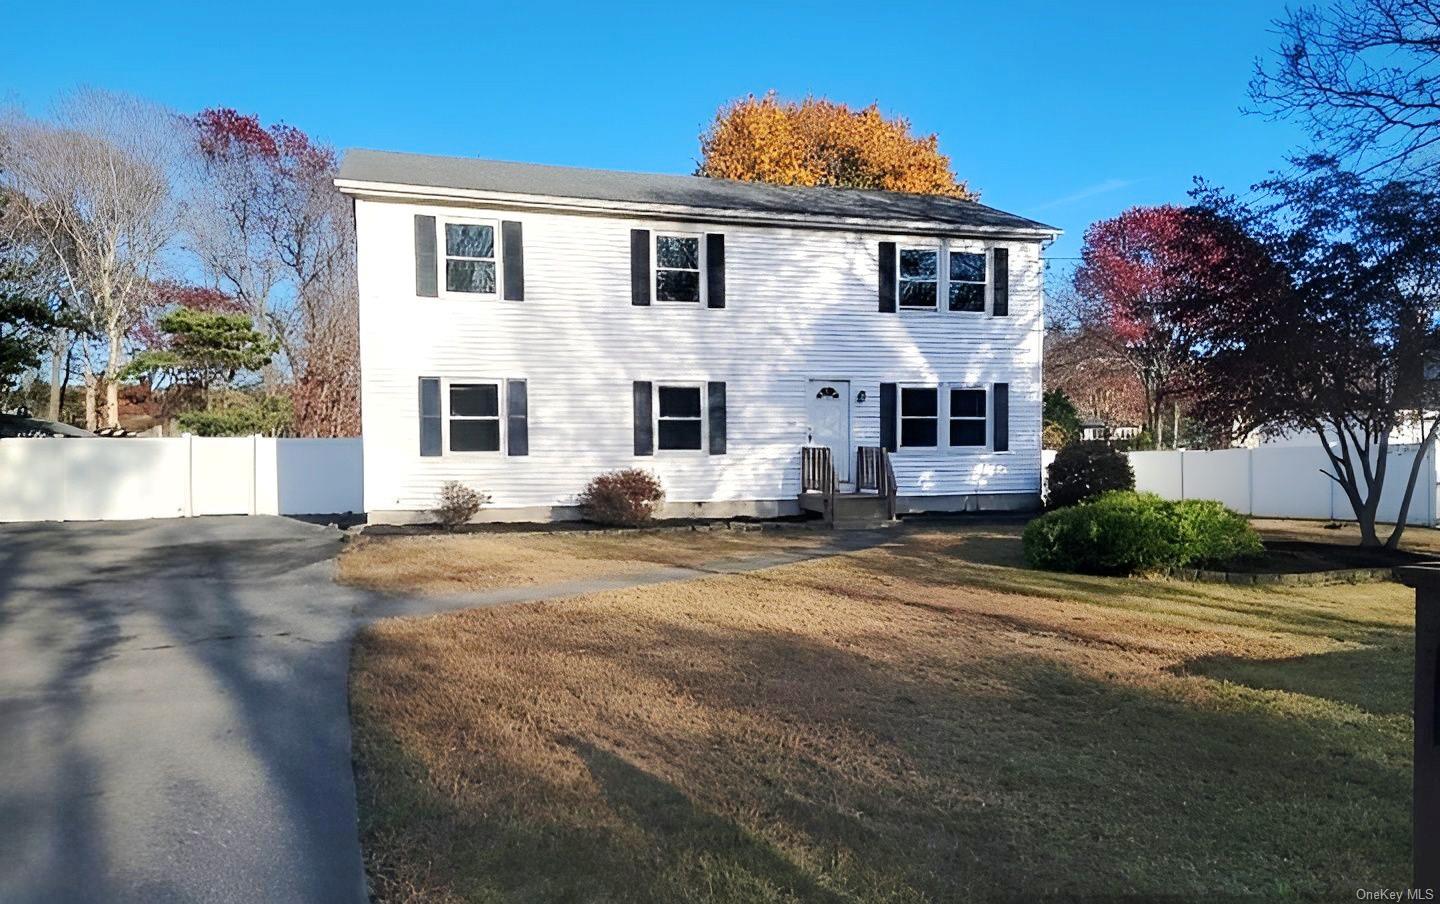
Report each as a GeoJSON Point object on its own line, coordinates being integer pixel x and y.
{"type": "Point", "coordinates": [14, 426]}
{"type": "Point", "coordinates": [364, 171]}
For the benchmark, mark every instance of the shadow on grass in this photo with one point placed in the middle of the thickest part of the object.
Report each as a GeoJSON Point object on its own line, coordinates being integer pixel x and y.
{"type": "Point", "coordinates": [826, 774]}
{"type": "Point", "coordinates": [680, 831]}
{"type": "Point", "coordinates": [1375, 679]}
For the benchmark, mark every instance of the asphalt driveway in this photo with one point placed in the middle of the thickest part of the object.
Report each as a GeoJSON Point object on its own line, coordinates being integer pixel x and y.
{"type": "Point", "coordinates": [173, 719]}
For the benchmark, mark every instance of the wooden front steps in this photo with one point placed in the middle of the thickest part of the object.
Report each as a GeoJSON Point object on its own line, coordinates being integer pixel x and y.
{"type": "Point", "coordinates": [852, 511]}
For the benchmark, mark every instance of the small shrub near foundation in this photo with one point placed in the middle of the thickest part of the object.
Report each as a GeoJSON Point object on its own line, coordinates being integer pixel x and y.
{"type": "Point", "coordinates": [458, 504]}
{"type": "Point", "coordinates": [627, 498]}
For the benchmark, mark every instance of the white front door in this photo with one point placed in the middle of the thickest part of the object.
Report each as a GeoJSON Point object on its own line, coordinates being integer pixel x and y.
{"type": "Point", "coordinates": [827, 404]}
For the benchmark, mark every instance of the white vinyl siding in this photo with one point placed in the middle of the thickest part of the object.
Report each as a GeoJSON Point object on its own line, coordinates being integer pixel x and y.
{"type": "Point", "coordinates": [800, 303]}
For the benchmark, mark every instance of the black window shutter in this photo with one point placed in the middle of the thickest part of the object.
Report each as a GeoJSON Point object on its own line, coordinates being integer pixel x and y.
{"type": "Point", "coordinates": [1001, 407]}
{"type": "Point", "coordinates": [430, 431]}
{"type": "Point", "coordinates": [716, 393]}
{"type": "Point", "coordinates": [425, 268]}
{"type": "Point", "coordinates": [517, 418]}
{"type": "Point", "coordinates": [640, 269]}
{"type": "Point", "coordinates": [887, 416]}
{"type": "Point", "coordinates": [887, 277]}
{"type": "Point", "coordinates": [1001, 305]}
{"type": "Point", "coordinates": [715, 271]}
{"type": "Point", "coordinates": [644, 419]}
{"type": "Point", "coordinates": [512, 241]}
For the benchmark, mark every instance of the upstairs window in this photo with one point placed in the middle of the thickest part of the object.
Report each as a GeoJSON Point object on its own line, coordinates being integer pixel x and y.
{"type": "Point", "coordinates": [470, 258]}
{"type": "Point", "coordinates": [967, 281]}
{"type": "Point", "coordinates": [677, 267]}
{"type": "Point", "coordinates": [679, 418]}
{"type": "Point", "coordinates": [919, 277]}
{"type": "Point", "coordinates": [967, 417]}
{"type": "Point", "coordinates": [474, 417]}
{"type": "Point", "coordinates": [919, 417]}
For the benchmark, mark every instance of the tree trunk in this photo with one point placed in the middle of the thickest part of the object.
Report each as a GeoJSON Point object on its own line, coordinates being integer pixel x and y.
{"type": "Point", "coordinates": [1348, 476]}
{"type": "Point", "coordinates": [113, 365]}
{"type": "Point", "coordinates": [112, 401]}
{"type": "Point", "coordinates": [1425, 448]}
{"type": "Point", "coordinates": [91, 420]}
{"type": "Point", "coordinates": [59, 350]}
{"type": "Point", "coordinates": [1368, 535]}
{"type": "Point", "coordinates": [1175, 431]}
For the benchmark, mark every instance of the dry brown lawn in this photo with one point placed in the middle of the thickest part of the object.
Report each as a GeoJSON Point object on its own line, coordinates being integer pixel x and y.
{"type": "Point", "coordinates": [434, 564]}
{"type": "Point", "coordinates": [924, 721]}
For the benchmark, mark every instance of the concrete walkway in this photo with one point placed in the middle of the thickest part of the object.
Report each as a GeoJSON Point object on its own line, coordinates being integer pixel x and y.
{"type": "Point", "coordinates": [173, 715]}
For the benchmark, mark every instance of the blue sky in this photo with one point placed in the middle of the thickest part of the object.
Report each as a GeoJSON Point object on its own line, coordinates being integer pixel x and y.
{"type": "Point", "coordinates": [1066, 112]}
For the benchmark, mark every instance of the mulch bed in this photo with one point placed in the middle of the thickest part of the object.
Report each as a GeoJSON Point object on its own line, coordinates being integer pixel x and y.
{"type": "Point", "coordinates": [1301, 562]}
{"type": "Point", "coordinates": [1305, 557]}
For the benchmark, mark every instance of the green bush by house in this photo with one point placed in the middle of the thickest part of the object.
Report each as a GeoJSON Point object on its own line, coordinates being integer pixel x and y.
{"type": "Point", "coordinates": [1128, 533]}
{"type": "Point", "coordinates": [1211, 534]}
{"type": "Point", "coordinates": [1085, 470]}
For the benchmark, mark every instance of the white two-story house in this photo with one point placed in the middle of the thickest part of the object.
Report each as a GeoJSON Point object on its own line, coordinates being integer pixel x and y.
{"type": "Point", "coordinates": [525, 328]}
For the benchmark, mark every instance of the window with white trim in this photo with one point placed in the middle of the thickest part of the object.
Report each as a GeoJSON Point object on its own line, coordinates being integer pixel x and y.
{"type": "Point", "coordinates": [966, 284]}
{"type": "Point", "coordinates": [677, 267]}
{"type": "Point", "coordinates": [469, 262]}
{"type": "Point", "coordinates": [919, 283]}
{"type": "Point", "coordinates": [473, 423]}
{"type": "Point", "coordinates": [919, 417]}
{"type": "Point", "coordinates": [967, 417]}
{"type": "Point", "coordinates": [679, 417]}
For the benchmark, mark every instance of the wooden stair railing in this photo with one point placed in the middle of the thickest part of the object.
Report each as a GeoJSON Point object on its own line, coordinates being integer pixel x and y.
{"type": "Point", "coordinates": [817, 475]}
{"type": "Point", "coordinates": [873, 471]}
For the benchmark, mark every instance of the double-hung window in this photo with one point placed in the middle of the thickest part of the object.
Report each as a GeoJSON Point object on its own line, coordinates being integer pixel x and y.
{"type": "Point", "coordinates": [919, 417]}
{"type": "Point", "coordinates": [679, 417]}
{"type": "Point", "coordinates": [677, 267]}
{"type": "Point", "coordinates": [933, 279]}
{"type": "Point", "coordinates": [967, 281]}
{"type": "Point", "coordinates": [919, 277]}
{"type": "Point", "coordinates": [962, 411]}
{"type": "Point", "coordinates": [967, 417]}
{"type": "Point", "coordinates": [474, 421]}
{"type": "Point", "coordinates": [469, 258]}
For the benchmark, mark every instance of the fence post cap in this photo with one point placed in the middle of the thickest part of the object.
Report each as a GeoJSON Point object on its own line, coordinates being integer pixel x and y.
{"type": "Point", "coordinates": [1425, 576]}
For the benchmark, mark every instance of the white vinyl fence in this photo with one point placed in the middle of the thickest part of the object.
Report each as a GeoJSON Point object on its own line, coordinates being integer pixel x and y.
{"type": "Point", "coordinates": [68, 479]}
{"type": "Point", "coordinates": [1281, 481]}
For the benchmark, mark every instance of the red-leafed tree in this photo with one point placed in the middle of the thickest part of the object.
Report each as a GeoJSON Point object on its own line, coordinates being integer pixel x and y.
{"type": "Point", "coordinates": [272, 231]}
{"type": "Point", "coordinates": [1347, 345]}
{"type": "Point", "coordinates": [1136, 271]}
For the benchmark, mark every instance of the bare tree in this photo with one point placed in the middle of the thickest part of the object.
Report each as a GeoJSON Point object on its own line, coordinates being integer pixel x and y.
{"type": "Point", "coordinates": [94, 186]}
{"type": "Point", "coordinates": [1364, 78]}
{"type": "Point", "coordinates": [271, 230]}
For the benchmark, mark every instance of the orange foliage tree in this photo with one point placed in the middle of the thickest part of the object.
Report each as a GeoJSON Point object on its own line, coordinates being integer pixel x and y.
{"type": "Point", "coordinates": [819, 142]}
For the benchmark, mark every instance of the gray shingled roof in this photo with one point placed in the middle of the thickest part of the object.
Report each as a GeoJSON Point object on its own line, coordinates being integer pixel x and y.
{"type": "Point", "coordinates": [689, 191]}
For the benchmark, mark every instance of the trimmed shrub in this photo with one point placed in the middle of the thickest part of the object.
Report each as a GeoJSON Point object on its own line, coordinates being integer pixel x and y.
{"type": "Point", "coordinates": [458, 504]}
{"type": "Point", "coordinates": [626, 498]}
{"type": "Point", "coordinates": [1212, 534]}
{"type": "Point", "coordinates": [1128, 533]}
{"type": "Point", "coordinates": [1086, 470]}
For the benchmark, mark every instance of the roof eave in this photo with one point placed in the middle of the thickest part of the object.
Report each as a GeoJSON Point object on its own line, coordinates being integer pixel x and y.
{"type": "Point", "coordinates": [393, 191]}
